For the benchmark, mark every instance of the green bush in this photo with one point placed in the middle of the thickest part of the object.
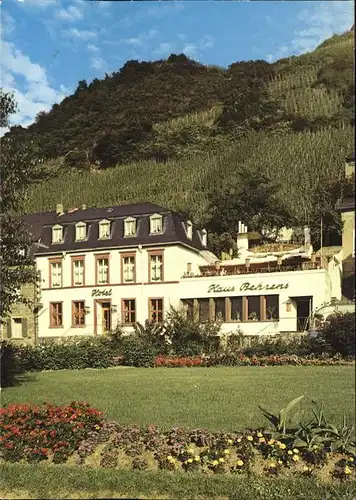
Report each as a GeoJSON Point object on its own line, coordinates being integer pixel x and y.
{"type": "Point", "coordinates": [337, 335]}
{"type": "Point", "coordinates": [300, 346]}
{"type": "Point", "coordinates": [138, 353]}
{"type": "Point", "coordinates": [8, 364]}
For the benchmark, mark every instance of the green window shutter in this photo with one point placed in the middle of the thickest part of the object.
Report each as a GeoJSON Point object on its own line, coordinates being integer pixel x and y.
{"type": "Point", "coordinates": [8, 328]}
{"type": "Point", "coordinates": [24, 327]}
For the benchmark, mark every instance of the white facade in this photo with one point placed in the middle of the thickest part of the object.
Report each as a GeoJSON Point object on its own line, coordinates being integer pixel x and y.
{"type": "Point", "coordinates": [296, 294]}
{"type": "Point", "coordinates": [176, 261]}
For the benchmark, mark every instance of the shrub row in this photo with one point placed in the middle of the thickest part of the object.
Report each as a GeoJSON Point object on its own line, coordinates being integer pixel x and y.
{"type": "Point", "coordinates": [242, 360]}
{"type": "Point", "coordinates": [177, 338]}
{"type": "Point", "coordinates": [33, 434]}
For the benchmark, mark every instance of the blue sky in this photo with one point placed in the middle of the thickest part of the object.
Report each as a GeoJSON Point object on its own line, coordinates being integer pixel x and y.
{"type": "Point", "coordinates": [49, 45]}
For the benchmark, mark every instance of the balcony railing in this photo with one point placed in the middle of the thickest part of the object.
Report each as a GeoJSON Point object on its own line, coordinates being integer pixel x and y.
{"type": "Point", "coordinates": [238, 270]}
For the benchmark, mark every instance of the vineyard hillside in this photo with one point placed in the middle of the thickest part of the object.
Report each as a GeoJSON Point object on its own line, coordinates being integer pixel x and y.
{"type": "Point", "coordinates": [170, 131]}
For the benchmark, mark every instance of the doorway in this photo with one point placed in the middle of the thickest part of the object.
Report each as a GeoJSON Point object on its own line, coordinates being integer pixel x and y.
{"type": "Point", "coordinates": [304, 310]}
{"type": "Point", "coordinates": [103, 317]}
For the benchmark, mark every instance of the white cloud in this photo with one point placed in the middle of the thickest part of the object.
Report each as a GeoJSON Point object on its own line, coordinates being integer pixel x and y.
{"type": "Point", "coordinates": [190, 50]}
{"type": "Point", "coordinates": [98, 62]}
{"type": "Point", "coordinates": [72, 13]}
{"type": "Point", "coordinates": [35, 93]}
{"type": "Point", "coordinates": [164, 48]}
{"type": "Point", "coordinates": [206, 42]}
{"type": "Point", "coordinates": [80, 34]}
{"type": "Point", "coordinates": [141, 39]}
{"type": "Point", "coordinates": [43, 4]}
{"type": "Point", "coordinates": [322, 20]}
{"type": "Point", "coordinates": [7, 24]}
{"type": "Point", "coordinates": [93, 48]}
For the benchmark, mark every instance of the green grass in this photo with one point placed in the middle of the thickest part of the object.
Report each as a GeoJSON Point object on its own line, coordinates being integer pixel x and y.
{"type": "Point", "coordinates": [214, 398]}
{"type": "Point", "coordinates": [63, 481]}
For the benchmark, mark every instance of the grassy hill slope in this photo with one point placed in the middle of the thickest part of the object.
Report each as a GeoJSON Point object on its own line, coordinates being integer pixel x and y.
{"type": "Point", "coordinates": [302, 145]}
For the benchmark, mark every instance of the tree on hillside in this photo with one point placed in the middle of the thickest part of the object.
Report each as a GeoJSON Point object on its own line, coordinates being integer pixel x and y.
{"type": "Point", "coordinates": [253, 198]}
{"type": "Point", "coordinates": [19, 167]}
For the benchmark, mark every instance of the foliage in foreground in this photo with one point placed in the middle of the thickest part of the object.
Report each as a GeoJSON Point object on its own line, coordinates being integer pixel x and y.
{"type": "Point", "coordinates": [181, 342]}
{"type": "Point", "coordinates": [79, 435]}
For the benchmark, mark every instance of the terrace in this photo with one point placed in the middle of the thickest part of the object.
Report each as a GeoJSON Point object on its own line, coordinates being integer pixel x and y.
{"type": "Point", "coordinates": [249, 267]}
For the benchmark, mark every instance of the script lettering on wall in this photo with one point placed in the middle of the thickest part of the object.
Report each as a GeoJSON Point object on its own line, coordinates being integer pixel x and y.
{"type": "Point", "coordinates": [101, 292]}
{"type": "Point", "coordinates": [248, 287]}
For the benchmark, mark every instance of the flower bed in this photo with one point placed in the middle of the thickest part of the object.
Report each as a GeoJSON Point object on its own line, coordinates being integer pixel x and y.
{"type": "Point", "coordinates": [242, 360]}
{"type": "Point", "coordinates": [78, 434]}
{"type": "Point", "coordinates": [34, 433]}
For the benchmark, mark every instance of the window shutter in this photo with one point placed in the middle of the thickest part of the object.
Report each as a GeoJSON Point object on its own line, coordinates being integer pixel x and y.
{"type": "Point", "coordinates": [8, 328]}
{"type": "Point", "coordinates": [24, 327]}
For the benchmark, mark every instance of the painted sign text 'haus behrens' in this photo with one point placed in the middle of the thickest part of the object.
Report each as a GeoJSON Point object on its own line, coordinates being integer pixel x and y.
{"type": "Point", "coordinates": [247, 287]}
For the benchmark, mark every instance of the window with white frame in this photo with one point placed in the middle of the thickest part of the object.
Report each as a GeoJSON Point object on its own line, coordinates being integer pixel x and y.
{"type": "Point", "coordinates": [102, 271]}
{"type": "Point", "coordinates": [156, 225]}
{"type": "Point", "coordinates": [104, 229]}
{"type": "Point", "coordinates": [56, 274]}
{"type": "Point", "coordinates": [128, 268]}
{"type": "Point", "coordinates": [78, 272]}
{"type": "Point", "coordinates": [156, 267]}
{"type": "Point", "coordinates": [80, 231]}
{"type": "Point", "coordinates": [57, 234]}
{"type": "Point", "coordinates": [130, 227]}
{"type": "Point", "coordinates": [189, 230]}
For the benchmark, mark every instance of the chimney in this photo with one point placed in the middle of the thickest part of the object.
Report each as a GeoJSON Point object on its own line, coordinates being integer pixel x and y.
{"type": "Point", "coordinates": [306, 238]}
{"type": "Point", "coordinates": [59, 209]}
{"type": "Point", "coordinates": [84, 207]}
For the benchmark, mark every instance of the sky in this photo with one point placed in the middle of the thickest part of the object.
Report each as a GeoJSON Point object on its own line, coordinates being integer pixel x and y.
{"type": "Point", "coordinates": [47, 46]}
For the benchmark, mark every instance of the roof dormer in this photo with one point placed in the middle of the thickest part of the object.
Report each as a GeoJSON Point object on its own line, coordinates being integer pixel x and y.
{"type": "Point", "coordinates": [130, 227]}
{"type": "Point", "coordinates": [104, 229]}
{"type": "Point", "coordinates": [80, 231]}
{"type": "Point", "coordinates": [189, 230]}
{"type": "Point", "coordinates": [156, 224]}
{"type": "Point", "coordinates": [57, 234]}
{"type": "Point", "coordinates": [204, 237]}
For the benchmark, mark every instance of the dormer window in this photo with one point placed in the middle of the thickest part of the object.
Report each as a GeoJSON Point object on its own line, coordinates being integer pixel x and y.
{"type": "Point", "coordinates": [130, 227]}
{"type": "Point", "coordinates": [189, 230]}
{"type": "Point", "coordinates": [80, 231]}
{"type": "Point", "coordinates": [204, 237]}
{"type": "Point", "coordinates": [57, 234]}
{"type": "Point", "coordinates": [104, 229]}
{"type": "Point", "coordinates": [156, 226]}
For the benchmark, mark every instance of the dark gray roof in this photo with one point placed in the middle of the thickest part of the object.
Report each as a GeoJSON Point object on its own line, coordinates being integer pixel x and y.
{"type": "Point", "coordinates": [173, 228]}
{"type": "Point", "coordinates": [347, 205]}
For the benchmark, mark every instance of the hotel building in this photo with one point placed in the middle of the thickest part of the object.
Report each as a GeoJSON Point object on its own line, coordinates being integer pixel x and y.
{"type": "Point", "coordinates": [107, 267]}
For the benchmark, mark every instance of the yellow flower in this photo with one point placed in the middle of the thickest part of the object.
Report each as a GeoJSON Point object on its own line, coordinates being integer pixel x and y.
{"type": "Point", "coordinates": [280, 462]}
{"type": "Point", "coordinates": [290, 452]}
{"type": "Point", "coordinates": [272, 465]}
{"type": "Point", "coordinates": [315, 447]}
{"type": "Point", "coordinates": [97, 427]}
{"type": "Point", "coordinates": [197, 458]}
{"type": "Point", "coordinates": [215, 462]}
{"type": "Point", "coordinates": [347, 470]}
{"type": "Point", "coordinates": [282, 446]}
{"type": "Point", "coordinates": [296, 451]}
{"type": "Point", "coordinates": [169, 457]}
{"type": "Point", "coordinates": [240, 463]}
{"type": "Point", "coordinates": [296, 458]}
{"type": "Point", "coordinates": [227, 452]}
{"type": "Point", "coordinates": [190, 460]}
{"type": "Point", "coordinates": [190, 451]}
{"type": "Point", "coordinates": [221, 460]}
{"type": "Point", "coordinates": [259, 434]}
{"type": "Point", "coordinates": [230, 441]}
{"type": "Point", "coordinates": [239, 440]}
{"type": "Point", "coordinates": [262, 440]}
{"type": "Point", "coordinates": [306, 469]}
{"type": "Point", "coordinates": [249, 438]}
{"type": "Point", "coordinates": [271, 441]}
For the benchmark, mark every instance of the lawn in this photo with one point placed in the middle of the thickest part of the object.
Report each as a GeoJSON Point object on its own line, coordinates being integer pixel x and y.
{"type": "Point", "coordinates": [220, 398]}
